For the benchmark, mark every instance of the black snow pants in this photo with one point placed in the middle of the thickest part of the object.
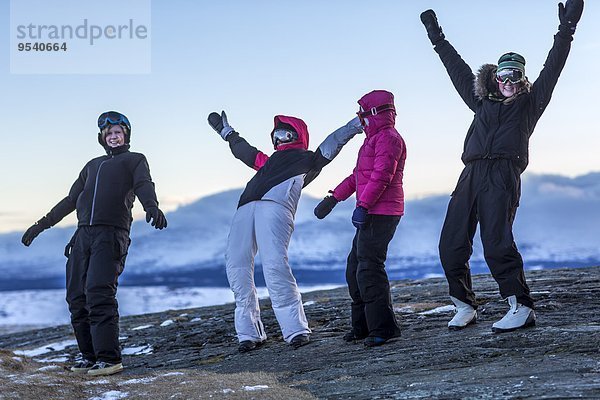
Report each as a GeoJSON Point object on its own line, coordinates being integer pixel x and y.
{"type": "Point", "coordinates": [487, 192]}
{"type": "Point", "coordinates": [372, 311]}
{"type": "Point", "coordinates": [96, 257]}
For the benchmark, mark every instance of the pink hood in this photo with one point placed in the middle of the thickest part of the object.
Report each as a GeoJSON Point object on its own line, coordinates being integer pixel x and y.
{"type": "Point", "coordinates": [384, 119]}
{"type": "Point", "coordinates": [299, 126]}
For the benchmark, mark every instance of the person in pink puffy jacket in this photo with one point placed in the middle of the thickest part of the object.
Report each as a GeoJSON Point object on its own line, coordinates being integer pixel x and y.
{"type": "Point", "coordinates": [377, 182]}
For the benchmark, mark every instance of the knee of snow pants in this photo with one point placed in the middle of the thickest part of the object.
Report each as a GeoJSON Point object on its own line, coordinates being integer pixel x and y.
{"type": "Point", "coordinates": [239, 258]}
{"type": "Point", "coordinates": [351, 272]}
{"type": "Point", "coordinates": [241, 250]}
{"type": "Point", "coordinates": [456, 239]}
{"type": "Point", "coordinates": [76, 273]}
{"type": "Point", "coordinates": [371, 252]}
{"type": "Point", "coordinates": [274, 227]}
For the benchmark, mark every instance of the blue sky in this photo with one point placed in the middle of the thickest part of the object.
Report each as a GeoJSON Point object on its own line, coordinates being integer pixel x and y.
{"type": "Point", "coordinates": [310, 59]}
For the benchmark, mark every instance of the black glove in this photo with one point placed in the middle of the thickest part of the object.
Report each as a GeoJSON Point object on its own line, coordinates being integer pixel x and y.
{"type": "Point", "coordinates": [325, 206]}
{"type": "Point", "coordinates": [219, 123]}
{"type": "Point", "coordinates": [569, 15]}
{"type": "Point", "coordinates": [434, 30]}
{"type": "Point", "coordinates": [158, 218]}
{"type": "Point", "coordinates": [359, 217]}
{"type": "Point", "coordinates": [34, 230]}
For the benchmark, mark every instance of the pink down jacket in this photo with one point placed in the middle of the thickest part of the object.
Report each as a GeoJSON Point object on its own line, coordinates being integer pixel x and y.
{"type": "Point", "coordinates": [377, 177]}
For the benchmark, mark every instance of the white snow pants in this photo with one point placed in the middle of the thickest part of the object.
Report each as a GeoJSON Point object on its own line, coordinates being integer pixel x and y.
{"type": "Point", "coordinates": [265, 226]}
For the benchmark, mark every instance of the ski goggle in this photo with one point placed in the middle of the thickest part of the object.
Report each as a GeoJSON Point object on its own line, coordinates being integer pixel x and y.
{"type": "Point", "coordinates": [113, 118]}
{"type": "Point", "coordinates": [509, 75]}
{"type": "Point", "coordinates": [373, 111]}
{"type": "Point", "coordinates": [280, 136]}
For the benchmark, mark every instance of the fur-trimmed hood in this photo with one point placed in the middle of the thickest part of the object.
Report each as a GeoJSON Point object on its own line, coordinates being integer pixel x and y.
{"type": "Point", "coordinates": [486, 87]}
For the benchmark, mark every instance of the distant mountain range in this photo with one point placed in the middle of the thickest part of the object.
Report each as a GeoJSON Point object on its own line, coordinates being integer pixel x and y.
{"type": "Point", "coordinates": [558, 224]}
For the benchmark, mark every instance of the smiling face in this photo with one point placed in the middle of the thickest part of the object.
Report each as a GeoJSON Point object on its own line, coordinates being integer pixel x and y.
{"type": "Point", "coordinates": [115, 136]}
{"type": "Point", "coordinates": [508, 89]}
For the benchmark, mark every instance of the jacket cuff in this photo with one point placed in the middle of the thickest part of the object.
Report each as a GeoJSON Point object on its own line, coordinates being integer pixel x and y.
{"type": "Point", "coordinates": [232, 135]}
{"type": "Point", "coordinates": [332, 193]}
{"type": "Point", "coordinates": [44, 223]}
{"type": "Point", "coordinates": [339, 196]}
{"type": "Point", "coordinates": [150, 204]}
{"type": "Point", "coordinates": [565, 34]}
{"type": "Point", "coordinates": [362, 204]}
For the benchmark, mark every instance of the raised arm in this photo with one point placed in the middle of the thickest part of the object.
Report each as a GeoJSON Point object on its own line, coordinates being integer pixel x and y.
{"type": "Point", "coordinates": [569, 15]}
{"type": "Point", "coordinates": [331, 146]}
{"type": "Point", "coordinates": [240, 148]}
{"type": "Point", "coordinates": [460, 73]}
{"type": "Point", "coordinates": [58, 212]}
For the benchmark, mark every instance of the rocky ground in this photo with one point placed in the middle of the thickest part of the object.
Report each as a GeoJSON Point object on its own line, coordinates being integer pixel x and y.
{"type": "Point", "coordinates": [193, 353]}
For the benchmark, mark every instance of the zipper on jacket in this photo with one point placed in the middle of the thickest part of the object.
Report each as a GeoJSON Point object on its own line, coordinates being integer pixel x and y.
{"type": "Point", "coordinates": [96, 189]}
{"type": "Point", "coordinates": [490, 142]}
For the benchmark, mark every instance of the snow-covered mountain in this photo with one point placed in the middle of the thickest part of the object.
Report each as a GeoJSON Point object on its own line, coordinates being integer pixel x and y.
{"type": "Point", "coordinates": [558, 223]}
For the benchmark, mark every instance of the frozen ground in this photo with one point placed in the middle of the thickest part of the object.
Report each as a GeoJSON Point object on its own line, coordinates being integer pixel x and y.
{"type": "Point", "coordinates": [24, 378]}
{"type": "Point", "coordinates": [193, 353]}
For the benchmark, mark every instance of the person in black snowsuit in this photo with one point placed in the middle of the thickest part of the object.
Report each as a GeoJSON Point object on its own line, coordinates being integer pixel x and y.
{"type": "Point", "coordinates": [506, 107]}
{"type": "Point", "coordinates": [103, 196]}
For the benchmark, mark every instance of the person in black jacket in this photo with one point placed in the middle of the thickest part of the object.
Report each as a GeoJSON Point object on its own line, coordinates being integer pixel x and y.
{"type": "Point", "coordinates": [506, 107]}
{"type": "Point", "coordinates": [103, 196]}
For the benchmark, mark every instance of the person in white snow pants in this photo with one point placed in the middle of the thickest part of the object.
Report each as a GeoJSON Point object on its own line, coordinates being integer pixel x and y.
{"type": "Point", "coordinates": [264, 221]}
{"type": "Point", "coordinates": [267, 225]}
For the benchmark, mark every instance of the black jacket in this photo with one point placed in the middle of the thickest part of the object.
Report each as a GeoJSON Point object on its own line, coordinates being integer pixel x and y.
{"type": "Point", "coordinates": [502, 130]}
{"type": "Point", "coordinates": [278, 168]}
{"type": "Point", "coordinates": [281, 176]}
{"type": "Point", "coordinates": [105, 190]}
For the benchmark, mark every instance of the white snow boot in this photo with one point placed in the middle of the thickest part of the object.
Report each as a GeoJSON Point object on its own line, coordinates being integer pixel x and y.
{"type": "Point", "coordinates": [519, 316]}
{"type": "Point", "coordinates": [465, 315]}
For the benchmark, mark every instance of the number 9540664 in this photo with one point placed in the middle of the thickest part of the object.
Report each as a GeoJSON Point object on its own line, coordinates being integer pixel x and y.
{"type": "Point", "coordinates": [37, 46]}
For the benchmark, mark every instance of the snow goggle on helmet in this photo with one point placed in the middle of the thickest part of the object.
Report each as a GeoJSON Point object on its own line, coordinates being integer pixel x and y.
{"type": "Point", "coordinates": [509, 75]}
{"type": "Point", "coordinates": [113, 118]}
{"type": "Point", "coordinates": [282, 136]}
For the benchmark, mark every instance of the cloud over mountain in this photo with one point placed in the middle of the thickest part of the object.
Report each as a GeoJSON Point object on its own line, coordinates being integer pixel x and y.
{"type": "Point", "coordinates": [558, 222]}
